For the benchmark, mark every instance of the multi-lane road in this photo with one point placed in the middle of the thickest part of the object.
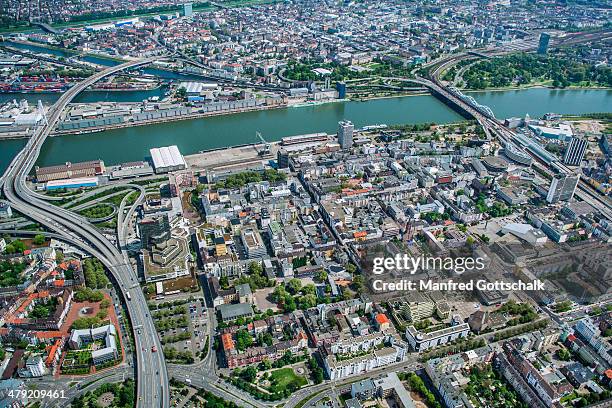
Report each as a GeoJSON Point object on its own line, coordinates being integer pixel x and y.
{"type": "Point", "coordinates": [151, 374]}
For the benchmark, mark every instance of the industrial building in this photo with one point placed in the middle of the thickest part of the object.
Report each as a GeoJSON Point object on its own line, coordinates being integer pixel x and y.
{"type": "Point", "coordinates": [166, 159]}
{"type": "Point", "coordinates": [70, 170]}
{"type": "Point", "coordinates": [78, 124]}
{"type": "Point", "coordinates": [160, 113]}
{"type": "Point", "coordinates": [131, 169]}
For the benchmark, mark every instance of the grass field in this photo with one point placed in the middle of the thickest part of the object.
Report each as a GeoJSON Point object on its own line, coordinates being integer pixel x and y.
{"type": "Point", "coordinates": [283, 378]}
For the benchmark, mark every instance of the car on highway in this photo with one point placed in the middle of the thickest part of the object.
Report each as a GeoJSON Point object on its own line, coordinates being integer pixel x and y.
{"type": "Point", "coordinates": [154, 349]}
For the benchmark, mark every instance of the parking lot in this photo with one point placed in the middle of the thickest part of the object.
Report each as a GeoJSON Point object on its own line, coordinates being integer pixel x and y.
{"type": "Point", "coordinates": [195, 313]}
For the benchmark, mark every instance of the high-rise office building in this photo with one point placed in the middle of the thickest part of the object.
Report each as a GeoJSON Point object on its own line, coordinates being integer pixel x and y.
{"type": "Point", "coordinates": [345, 134]}
{"type": "Point", "coordinates": [575, 151]}
{"type": "Point", "coordinates": [188, 9]}
{"type": "Point", "coordinates": [341, 88]}
{"type": "Point", "coordinates": [562, 187]}
{"type": "Point", "coordinates": [154, 230]}
{"type": "Point", "coordinates": [282, 157]}
{"type": "Point", "coordinates": [543, 45]}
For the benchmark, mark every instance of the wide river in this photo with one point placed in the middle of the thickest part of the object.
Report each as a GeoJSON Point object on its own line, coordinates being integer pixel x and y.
{"type": "Point", "coordinates": [127, 144]}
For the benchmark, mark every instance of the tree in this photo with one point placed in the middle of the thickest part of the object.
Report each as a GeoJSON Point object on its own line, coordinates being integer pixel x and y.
{"type": "Point", "coordinates": [563, 354]}
{"type": "Point", "coordinates": [249, 374]}
{"type": "Point", "coordinates": [289, 305]}
{"type": "Point", "coordinates": [267, 339]}
{"type": "Point", "coordinates": [243, 340]}
{"type": "Point", "coordinates": [322, 276]}
{"type": "Point", "coordinates": [307, 301]}
{"type": "Point", "coordinates": [266, 364]}
{"type": "Point", "coordinates": [358, 283]}
{"type": "Point", "coordinates": [16, 246]}
{"type": "Point", "coordinates": [39, 239]}
{"type": "Point", "coordinates": [309, 289]}
{"type": "Point", "coordinates": [181, 93]}
{"type": "Point", "coordinates": [294, 286]}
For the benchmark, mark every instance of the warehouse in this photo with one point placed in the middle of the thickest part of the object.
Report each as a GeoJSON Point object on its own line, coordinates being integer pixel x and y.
{"type": "Point", "coordinates": [166, 159]}
{"type": "Point", "coordinates": [70, 170]}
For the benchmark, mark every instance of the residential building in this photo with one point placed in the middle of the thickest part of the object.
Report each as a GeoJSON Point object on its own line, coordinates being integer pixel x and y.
{"type": "Point", "coordinates": [5, 210]}
{"type": "Point", "coordinates": [253, 243]}
{"type": "Point", "coordinates": [107, 334]}
{"type": "Point", "coordinates": [424, 341]}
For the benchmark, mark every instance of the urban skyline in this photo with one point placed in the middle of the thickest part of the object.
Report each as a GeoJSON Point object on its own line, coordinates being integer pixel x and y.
{"type": "Point", "coordinates": [261, 265]}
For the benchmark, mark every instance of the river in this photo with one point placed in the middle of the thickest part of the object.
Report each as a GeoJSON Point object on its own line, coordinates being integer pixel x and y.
{"type": "Point", "coordinates": [120, 145]}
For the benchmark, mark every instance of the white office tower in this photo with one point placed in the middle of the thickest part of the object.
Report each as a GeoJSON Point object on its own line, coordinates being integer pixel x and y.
{"type": "Point", "coordinates": [562, 187]}
{"type": "Point", "coordinates": [345, 134]}
{"type": "Point", "coordinates": [575, 151]}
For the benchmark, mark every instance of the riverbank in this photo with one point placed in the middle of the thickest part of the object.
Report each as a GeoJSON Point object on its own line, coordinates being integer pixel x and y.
{"type": "Point", "coordinates": [164, 120]}
{"type": "Point", "coordinates": [195, 116]}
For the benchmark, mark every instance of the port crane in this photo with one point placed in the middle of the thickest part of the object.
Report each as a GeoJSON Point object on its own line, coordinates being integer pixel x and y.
{"type": "Point", "coordinates": [266, 145]}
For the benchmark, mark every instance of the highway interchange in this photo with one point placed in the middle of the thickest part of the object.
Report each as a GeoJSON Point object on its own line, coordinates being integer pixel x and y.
{"type": "Point", "coordinates": [152, 377]}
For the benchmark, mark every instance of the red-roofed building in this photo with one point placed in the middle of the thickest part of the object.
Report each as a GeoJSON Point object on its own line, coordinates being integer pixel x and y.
{"type": "Point", "coordinates": [360, 234]}
{"type": "Point", "coordinates": [228, 342]}
{"type": "Point", "coordinates": [382, 321]}
{"type": "Point", "coordinates": [54, 353]}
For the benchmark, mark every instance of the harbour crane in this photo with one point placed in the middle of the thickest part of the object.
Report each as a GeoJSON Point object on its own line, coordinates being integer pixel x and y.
{"type": "Point", "coordinates": [266, 145]}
